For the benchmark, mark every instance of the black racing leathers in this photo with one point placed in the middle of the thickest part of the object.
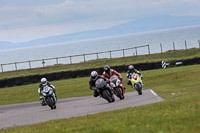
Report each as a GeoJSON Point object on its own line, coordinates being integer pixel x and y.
{"type": "Point", "coordinates": [129, 74]}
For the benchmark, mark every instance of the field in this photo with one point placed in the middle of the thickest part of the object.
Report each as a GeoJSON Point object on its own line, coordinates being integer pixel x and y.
{"type": "Point", "coordinates": [180, 112]}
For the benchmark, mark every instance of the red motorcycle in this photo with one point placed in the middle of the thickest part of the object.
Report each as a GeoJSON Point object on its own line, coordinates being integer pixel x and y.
{"type": "Point", "coordinates": [117, 86]}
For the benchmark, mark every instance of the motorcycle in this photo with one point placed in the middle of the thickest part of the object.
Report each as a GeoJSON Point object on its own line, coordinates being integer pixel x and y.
{"type": "Point", "coordinates": [104, 91]}
{"type": "Point", "coordinates": [137, 83]}
{"type": "Point", "coordinates": [117, 86]}
{"type": "Point", "coordinates": [49, 97]}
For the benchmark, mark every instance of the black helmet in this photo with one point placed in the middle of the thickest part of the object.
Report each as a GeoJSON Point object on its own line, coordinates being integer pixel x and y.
{"type": "Point", "coordinates": [131, 67]}
{"type": "Point", "coordinates": [107, 69]}
{"type": "Point", "coordinates": [94, 75]}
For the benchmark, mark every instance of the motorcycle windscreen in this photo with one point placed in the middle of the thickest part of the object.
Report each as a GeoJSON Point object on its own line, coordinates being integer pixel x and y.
{"type": "Point", "coordinates": [100, 83]}
{"type": "Point", "coordinates": [113, 79]}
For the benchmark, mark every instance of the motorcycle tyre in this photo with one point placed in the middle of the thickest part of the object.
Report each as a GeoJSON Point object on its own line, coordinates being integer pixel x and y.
{"type": "Point", "coordinates": [105, 95]}
{"type": "Point", "coordinates": [49, 101]}
{"type": "Point", "coordinates": [119, 93]}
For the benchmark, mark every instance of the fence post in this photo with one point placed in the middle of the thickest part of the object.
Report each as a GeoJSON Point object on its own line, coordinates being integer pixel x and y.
{"type": "Point", "coordinates": [148, 48]}
{"type": "Point", "coordinates": [110, 55]}
{"type": "Point", "coordinates": [70, 59]}
{"type": "Point", "coordinates": [57, 61]}
{"type": "Point", "coordinates": [29, 64]}
{"type": "Point", "coordinates": [199, 43]}
{"type": "Point", "coordinates": [1, 67]}
{"type": "Point", "coordinates": [136, 51]}
{"type": "Point", "coordinates": [161, 48]}
{"type": "Point", "coordinates": [185, 44]}
{"type": "Point", "coordinates": [123, 53]}
{"type": "Point", "coordinates": [43, 62]}
{"type": "Point", "coordinates": [174, 45]}
{"type": "Point", "coordinates": [97, 56]}
{"type": "Point", "coordinates": [15, 66]}
{"type": "Point", "coordinates": [84, 57]}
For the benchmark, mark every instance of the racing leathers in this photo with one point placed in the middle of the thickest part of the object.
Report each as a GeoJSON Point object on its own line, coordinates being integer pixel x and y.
{"type": "Point", "coordinates": [112, 72]}
{"type": "Point", "coordinates": [41, 87]}
{"type": "Point", "coordinates": [93, 87]}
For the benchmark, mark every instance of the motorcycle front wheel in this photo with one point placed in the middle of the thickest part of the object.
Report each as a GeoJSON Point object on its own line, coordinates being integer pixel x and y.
{"type": "Point", "coordinates": [106, 95]}
{"type": "Point", "coordinates": [50, 103]}
{"type": "Point", "coordinates": [119, 93]}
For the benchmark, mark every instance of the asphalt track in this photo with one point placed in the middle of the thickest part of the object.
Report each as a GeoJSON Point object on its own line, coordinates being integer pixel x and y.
{"type": "Point", "coordinates": [29, 113]}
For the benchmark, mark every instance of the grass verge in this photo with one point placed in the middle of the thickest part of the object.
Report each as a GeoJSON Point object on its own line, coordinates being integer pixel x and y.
{"type": "Point", "coordinates": [180, 112]}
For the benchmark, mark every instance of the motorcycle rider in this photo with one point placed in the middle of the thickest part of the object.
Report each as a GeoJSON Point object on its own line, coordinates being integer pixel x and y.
{"type": "Point", "coordinates": [44, 83]}
{"type": "Point", "coordinates": [94, 77]}
{"type": "Point", "coordinates": [130, 72]}
{"type": "Point", "coordinates": [108, 72]}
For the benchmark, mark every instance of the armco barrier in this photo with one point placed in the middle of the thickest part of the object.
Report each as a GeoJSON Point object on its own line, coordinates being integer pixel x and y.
{"type": "Point", "coordinates": [82, 73]}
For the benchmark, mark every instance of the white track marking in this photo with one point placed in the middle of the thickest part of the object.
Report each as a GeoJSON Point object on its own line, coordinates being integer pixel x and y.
{"type": "Point", "coordinates": [155, 94]}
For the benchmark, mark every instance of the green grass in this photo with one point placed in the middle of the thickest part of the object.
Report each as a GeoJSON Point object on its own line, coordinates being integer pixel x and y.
{"type": "Point", "coordinates": [167, 56]}
{"type": "Point", "coordinates": [180, 112]}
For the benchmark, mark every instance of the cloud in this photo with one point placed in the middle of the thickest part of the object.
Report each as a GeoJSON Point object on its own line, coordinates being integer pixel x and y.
{"type": "Point", "coordinates": [4, 3]}
{"type": "Point", "coordinates": [22, 15]}
{"type": "Point", "coordinates": [191, 1]}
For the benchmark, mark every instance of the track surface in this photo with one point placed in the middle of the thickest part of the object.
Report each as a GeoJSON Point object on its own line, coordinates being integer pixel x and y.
{"type": "Point", "coordinates": [29, 113]}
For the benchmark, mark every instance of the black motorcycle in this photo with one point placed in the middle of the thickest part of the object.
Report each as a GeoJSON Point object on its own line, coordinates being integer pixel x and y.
{"type": "Point", "coordinates": [104, 90]}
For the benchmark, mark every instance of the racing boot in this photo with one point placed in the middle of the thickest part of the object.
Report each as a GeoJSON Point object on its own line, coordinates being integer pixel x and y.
{"type": "Point", "coordinates": [42, 102]}
{"type": "Point", "coordinates": [129, 82]}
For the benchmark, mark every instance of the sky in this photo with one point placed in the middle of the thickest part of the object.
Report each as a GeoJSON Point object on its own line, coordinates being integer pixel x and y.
{"type": "Point", "coordinates": [25, 20]}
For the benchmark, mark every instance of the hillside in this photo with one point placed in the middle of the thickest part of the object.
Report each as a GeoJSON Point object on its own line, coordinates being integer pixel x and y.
{"type": "Point", "coordinates": [136, 26]}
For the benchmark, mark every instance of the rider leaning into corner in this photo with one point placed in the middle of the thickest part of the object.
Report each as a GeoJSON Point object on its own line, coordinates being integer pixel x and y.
{"type": "Point", "coordinates": [108, 72]}
{"type": "Point", "coordinates": [94, 77]}
{"type": "Point", "coordinates": [130, 72]}
{"type": "Point", "coordinates": [44, 83]}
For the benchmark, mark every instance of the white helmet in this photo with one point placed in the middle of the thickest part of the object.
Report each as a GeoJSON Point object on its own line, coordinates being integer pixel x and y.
{"type": "Point", "coordinates": [44, 81]}
{"type": "Point", "coordinates": [94, 75]}
{"type": "Point", "coordinates": [131, 67]}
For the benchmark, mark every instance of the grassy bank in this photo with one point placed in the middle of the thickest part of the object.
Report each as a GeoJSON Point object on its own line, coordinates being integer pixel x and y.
{"type": "Point", "coordinates": [167, 56]}
{"type": "Point", "coordinates": [180, 112]}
